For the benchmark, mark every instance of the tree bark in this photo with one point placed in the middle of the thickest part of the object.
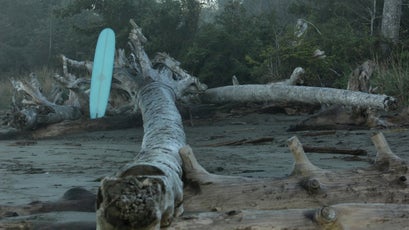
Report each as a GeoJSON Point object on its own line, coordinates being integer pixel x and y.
{"type": "Point", "coordinates": [391, 20]}
{"type": "Point", "coordinates": [148, 192]}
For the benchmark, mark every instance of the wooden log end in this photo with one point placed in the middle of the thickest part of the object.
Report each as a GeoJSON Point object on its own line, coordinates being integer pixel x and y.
{"type": "Point", "coordinates": [311, 185]}
{"type": "Point", "coordinates": [390, 103]}
{"type": "Point", "coordinates": [302, 165]}
{"type": "Point", "coordinates": [129, 202]}
{"type": "Point", "coordinates": [326, 217]}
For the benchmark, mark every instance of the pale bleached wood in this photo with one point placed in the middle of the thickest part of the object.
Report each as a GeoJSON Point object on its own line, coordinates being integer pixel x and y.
{"type": "Point", "coordinates": [302, 166]}
{"type": "Point", "coordinates": [302, 94]}
{"type": "Point", "coordinates": [309, 187]}
{"type": "Point", "coordinates": [388, 161]}
{"type": "Point", "coordinates": [355, 216]}
{"type": "Point", "coordinates": [295, 78]}
{"type": "Point", "coordinates": [147, 193]}
{"type": "Point", "coordinates": [37, 110]}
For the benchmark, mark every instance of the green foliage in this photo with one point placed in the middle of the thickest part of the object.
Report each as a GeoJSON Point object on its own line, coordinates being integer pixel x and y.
{"type": "Point", "coordinates": [227, 47]}
{"type": "Point", "coordinates": [17, 24]}
{"type": "Point", "coordinates": [392, 76]}
{"type": "Point", "coordinates": [248, 39]}
{"type": "Point", "coordinates": [257, 48]}
{"type": "Point", "coordinates": [345, 35]}
{"type": "Point", "coordinates": [169, 25]}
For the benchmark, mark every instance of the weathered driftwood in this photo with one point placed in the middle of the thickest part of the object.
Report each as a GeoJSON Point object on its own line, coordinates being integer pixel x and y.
{"type": "Point", "coordinates": [337, 217]}
{"type": "Point", "coordinates": [123, 99]}
{"type": "Point", "coordinates": [303, 94]}
{"type": "Point", "coordinates": [351, 116]}
{"type": "Point", "coordinates": [287, 91]}
{"type": "Point", "coordinates": [39, 110]}
{"type": "Point", "coordinates": [148, 192]}
{"type": "Point", "coordinates": [307, 187]}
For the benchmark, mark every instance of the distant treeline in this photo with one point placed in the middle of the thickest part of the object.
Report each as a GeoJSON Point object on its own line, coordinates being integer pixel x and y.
{"type": "Point", "coordinates": [255, 40]}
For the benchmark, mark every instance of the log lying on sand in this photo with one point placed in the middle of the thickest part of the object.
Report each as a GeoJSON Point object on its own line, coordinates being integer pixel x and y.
{"type": "Point", "coordinates": [354, 115]}
{"type": "Point", "coordinates": [148, 192]}
{"type": "Point", "coordinates": [303, 94]}
{"type": "Point", "coordinates": [337, 217]}
{"type": "Point", "coordinates": [307, 187]}
{"type": "Point", "coordinates": [288, 92]}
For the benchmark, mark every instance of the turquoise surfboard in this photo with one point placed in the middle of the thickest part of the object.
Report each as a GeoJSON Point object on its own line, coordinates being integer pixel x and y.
{"type": "Point", "coordinates": [101, 77]}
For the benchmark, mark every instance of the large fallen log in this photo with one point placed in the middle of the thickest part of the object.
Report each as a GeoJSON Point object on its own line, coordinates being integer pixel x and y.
{"type": "Point", "coordinates": [307, 187]}
{"type": "Point", "coordinates": [337, 217]}
{"type": "Point", "coordinates": [303, 94]}
{"type": "Point", "coordinates": [351, 116]}
{"type": "Point", "coordinates": [148, 192]}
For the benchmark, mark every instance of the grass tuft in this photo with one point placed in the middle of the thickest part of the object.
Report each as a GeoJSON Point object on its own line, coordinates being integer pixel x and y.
{"type": "Point", "coordinates": [392, 77]}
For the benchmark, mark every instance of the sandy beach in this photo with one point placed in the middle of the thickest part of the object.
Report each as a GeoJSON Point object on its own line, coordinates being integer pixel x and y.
{"type": "Point", "coordinates": [43, 170]}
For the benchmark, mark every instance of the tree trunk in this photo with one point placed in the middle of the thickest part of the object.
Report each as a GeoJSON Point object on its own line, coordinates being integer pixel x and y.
{"type": "Point", "coordinates": [303, 94]}
{"type": "Point", "coordinates": [352, 116]}
{"type": "Point", "coordinates": [391, 20]}
{"type": "Point", "coordinates": [148, 192]}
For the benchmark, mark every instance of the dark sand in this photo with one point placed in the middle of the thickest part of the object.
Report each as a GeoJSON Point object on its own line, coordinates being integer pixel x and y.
{"type": "Point", "coordinates": [45, 169]}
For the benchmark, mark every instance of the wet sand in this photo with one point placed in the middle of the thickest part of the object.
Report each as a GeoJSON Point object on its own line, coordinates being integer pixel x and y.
{"type": "Point", "coordinates": [45, 169]}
